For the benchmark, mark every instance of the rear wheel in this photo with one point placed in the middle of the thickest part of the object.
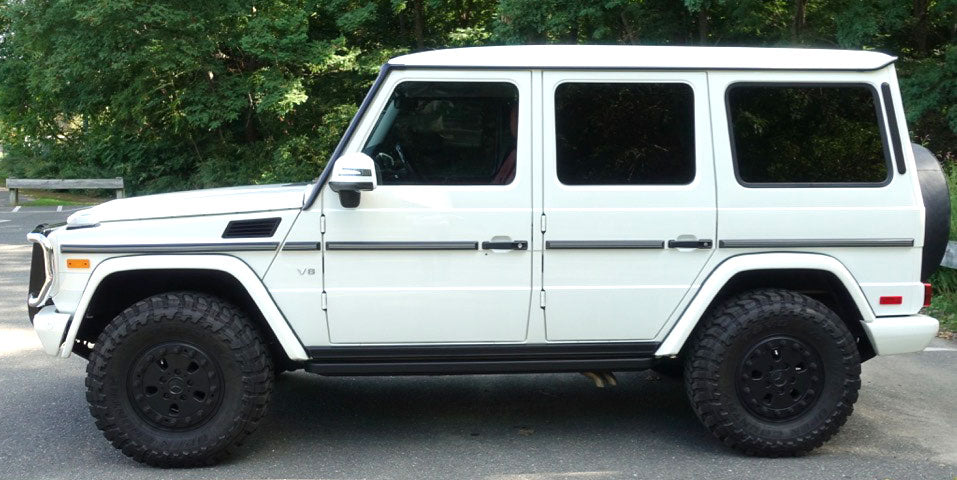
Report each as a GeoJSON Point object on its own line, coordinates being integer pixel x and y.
{"type": "Point", "coordinates": [773, 373]}
{"type": "Point", "coordinates": [178, 380]}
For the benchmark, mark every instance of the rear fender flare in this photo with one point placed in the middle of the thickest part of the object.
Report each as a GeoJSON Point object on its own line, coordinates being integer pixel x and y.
{"type": "Point", "coordinates": [695, 310]}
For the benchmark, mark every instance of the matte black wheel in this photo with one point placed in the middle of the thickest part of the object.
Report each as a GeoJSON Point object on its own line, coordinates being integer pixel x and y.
{"type": "Point", "coordinates": [178, 380]}
{"type": "Point", "coordinates": [773, 373]}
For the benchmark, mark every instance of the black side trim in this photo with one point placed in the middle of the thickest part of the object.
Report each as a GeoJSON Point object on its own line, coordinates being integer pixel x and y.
{"type": "Point", "coordinates": [603, 244]}
{"type": "Point", "coordinates": [255, 228]}
{"type": "Point", "coordinates": [301, 246]}
{"type": "Point", "coordinates": [401, 245]}
{"type": "Point", "coordinates": [838, 242]}
{"type": "Point", "coordinates": [475, 359]}
{"type": "Point", "coordinates": [893, 127]}
{"type": "Point", "coordinates": [172, 248]}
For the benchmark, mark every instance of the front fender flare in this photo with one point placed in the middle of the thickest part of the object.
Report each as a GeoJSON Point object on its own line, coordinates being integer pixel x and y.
{"type": "Point", "coordinates": [686, 323]}
{"type": "Point", "coordinates": [224, 263]}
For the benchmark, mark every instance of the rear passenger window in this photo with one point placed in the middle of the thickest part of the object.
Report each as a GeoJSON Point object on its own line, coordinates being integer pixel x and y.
{"type": "Point", "coordinates": [804, 134]}
{"type": "Point", "coordinates": [624, 133]}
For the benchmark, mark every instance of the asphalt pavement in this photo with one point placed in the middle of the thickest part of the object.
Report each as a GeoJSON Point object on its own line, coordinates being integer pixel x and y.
{"type": "Point", "coordinates": [17, 221]}
{"type": "Point", "coordinates": [503, 427]}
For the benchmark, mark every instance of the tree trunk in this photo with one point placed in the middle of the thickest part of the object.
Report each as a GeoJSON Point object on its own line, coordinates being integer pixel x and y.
{"type": "Point", "coordinates": [703, 25]}
{"type": "Point", "coordinates": [920, 28]}
{"type": "Point", "coordinates": [466, 14]}
{"type": "Point", "coordinates": [628, 30]}
{"type": "Point", "coordinates": [799, 20]}
{"type": "Point", "coordinates": [419, 12]}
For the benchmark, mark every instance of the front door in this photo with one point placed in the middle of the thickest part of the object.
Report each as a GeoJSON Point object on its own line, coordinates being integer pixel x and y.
{"type": "Point", "coordinates": [629, 200]}
{"type": "Point", "coordinates": [439, 252]}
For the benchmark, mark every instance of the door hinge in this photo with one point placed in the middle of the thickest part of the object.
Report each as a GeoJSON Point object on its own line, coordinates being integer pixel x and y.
{"type": "Point", "coordinates": [323, 302]}
{"type": "Point", "coordinates": [322, 223]}
{"type": "Point", "coordinates": [543, 223]}
{"type": "Point", "coordinates": [542, 300]}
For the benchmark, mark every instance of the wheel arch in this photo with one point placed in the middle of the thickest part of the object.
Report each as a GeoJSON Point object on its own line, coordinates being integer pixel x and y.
{"type": "Point", "coordinates": [817, 275]}
{"type": "Point", "coordinates": [119, 282]}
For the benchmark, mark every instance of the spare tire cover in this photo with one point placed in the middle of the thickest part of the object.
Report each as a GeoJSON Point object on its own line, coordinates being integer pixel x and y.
{"type": "Point", "coordinates": [933, 188]}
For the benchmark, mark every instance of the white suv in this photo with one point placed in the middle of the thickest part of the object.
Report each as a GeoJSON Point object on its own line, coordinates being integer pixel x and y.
{"type": "Point", "coordinates": [752, 219]}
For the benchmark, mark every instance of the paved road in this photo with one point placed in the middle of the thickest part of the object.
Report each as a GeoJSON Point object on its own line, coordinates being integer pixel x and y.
{"type": "Point", "coordinates": [15, 222]}
{"type": "Point", "coordinates": [492, 427]}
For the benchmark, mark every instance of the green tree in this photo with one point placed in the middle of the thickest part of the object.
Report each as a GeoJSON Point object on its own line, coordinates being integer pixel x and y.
{"type": "Point", "coordinates": [178, 94]}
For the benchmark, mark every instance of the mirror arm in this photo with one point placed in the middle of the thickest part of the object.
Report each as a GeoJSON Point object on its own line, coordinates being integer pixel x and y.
{"type": "Point", "coordinates": [349, 198]}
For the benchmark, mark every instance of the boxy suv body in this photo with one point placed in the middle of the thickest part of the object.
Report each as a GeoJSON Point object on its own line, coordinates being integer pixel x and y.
{"type": "Point", "coordinates": [750, 219]}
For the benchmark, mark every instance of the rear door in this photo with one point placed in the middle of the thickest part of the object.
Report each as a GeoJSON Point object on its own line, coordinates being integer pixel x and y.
{"type": "Point", "coordinates": [629, 200]}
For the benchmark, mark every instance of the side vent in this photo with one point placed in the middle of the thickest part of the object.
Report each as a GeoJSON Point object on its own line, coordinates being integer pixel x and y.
{"type": "Point", "coordinates": [256, 228]}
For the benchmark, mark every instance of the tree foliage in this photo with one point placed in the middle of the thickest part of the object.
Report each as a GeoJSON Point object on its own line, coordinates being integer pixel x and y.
{"type": "Point", "coordinates": [182, 94]}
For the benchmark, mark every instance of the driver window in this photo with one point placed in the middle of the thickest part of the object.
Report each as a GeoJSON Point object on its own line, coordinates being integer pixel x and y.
{"type": "Point", "coordinates": [447, 133]}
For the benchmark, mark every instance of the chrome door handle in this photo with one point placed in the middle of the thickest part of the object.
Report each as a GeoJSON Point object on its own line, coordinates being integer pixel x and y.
{"type": "Point", "coordinates": [516, 245]}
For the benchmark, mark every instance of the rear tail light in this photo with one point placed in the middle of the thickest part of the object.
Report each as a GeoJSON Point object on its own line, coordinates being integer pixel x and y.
{"type": "Point", "coordinates": [928, 294]}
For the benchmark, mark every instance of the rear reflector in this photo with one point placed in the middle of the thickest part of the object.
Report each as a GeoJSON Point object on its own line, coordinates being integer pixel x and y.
{"type": "Point", "coordinates": [928, 294]}
{"type": "Point", "coordinates": [890, 300]}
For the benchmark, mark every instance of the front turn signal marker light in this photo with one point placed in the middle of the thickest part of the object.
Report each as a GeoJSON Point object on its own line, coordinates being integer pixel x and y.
{"type": "Point", "coordinates": [77, 263]}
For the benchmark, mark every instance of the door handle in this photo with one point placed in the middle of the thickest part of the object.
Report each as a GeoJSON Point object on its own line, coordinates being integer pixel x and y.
{"type": "Point", "coordinates": [690, 244]}
{"type": "Point", "coordinates": [516, 245]}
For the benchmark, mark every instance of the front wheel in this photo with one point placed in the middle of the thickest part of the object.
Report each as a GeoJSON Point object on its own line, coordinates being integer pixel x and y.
{"type": "Point", "coordinates": [178, 380]}
{"type": "Point", "coordinates": [773, 373]}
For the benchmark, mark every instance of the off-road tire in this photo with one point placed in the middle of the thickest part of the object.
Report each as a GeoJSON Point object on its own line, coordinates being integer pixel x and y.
{"type": "Point", "coordinates": [716, 369]}
{"type": "Point", "coordinates": [222, 339]}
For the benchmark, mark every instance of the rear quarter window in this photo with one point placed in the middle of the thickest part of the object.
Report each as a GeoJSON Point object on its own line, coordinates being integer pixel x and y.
{"type": "Point", "coordinates": [807, 135]}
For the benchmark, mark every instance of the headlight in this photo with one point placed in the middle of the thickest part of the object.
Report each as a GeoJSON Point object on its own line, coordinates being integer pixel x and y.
{"type": "Point", "coordinates": [82, 219]}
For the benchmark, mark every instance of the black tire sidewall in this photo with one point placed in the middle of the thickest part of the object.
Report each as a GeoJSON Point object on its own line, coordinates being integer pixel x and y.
{"type": "Point", "coordinates": [155, 332]}
{"type": "Point", "coordinates": [775, 320]}
{"type": "Point", "coordinates": [223, 334]}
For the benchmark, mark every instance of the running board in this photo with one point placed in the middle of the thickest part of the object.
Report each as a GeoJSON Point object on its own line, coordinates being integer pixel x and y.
{"type": "Point", "coordinates": [480, 359]}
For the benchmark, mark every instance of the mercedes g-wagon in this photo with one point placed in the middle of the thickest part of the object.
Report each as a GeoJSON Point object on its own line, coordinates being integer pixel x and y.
{"type": "Point", "coordinates": [753, 220]}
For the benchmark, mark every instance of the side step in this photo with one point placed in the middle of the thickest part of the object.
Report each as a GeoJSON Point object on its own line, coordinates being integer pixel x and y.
{"type": "Point", "coordinates": [480, 359]}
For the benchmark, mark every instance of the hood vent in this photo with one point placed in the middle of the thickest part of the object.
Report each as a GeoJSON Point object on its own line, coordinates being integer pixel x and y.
{"type": "Point", "coordinates": [256, 228]}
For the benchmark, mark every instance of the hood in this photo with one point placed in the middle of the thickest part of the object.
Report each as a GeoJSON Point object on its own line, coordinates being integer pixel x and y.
{"type": "Point", "coordinates": [214, 201]}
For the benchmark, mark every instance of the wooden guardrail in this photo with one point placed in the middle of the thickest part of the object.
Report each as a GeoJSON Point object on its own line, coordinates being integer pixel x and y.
{"type": "Point", "coordinates": [16, 184]}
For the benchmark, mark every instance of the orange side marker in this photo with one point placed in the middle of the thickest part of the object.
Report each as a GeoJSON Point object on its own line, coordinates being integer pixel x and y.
{"type": "Point", "coordinates": [77, 263]}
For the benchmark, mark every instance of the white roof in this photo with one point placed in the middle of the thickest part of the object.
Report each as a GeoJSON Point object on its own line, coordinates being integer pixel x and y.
{"type": "Point", "coordinates": [628, 57]}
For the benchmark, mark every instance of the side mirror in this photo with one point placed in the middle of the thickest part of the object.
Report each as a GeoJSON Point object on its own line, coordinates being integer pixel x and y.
{"type": "Point", "coordinates": [352, 173]}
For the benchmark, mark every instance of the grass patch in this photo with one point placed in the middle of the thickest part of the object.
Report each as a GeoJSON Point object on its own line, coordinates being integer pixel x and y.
{"type": "Point", "coordinates": [47, 198]}
{"type": "Point", "coordinates": [53, 202]}
{"type": "Point", "coordinates": [944, 305]}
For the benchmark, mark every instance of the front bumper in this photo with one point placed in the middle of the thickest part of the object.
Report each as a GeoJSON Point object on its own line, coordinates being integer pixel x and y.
{"type": "Point", "coordinates": [892, 335]}
{"type": "Point", "coordinates": [51, 326]}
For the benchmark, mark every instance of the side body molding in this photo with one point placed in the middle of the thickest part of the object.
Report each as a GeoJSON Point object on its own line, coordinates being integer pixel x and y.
{"type": "Point", "coordinates": [223, 263]}
{"type": "Point", "coordinates": [750, 262]}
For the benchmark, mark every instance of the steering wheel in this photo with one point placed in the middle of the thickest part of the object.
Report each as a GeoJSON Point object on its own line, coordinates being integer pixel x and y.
{"type": "Point", "coordinates": [395, 169]}
{"type": "Point", "coordinates": [404, 164]}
